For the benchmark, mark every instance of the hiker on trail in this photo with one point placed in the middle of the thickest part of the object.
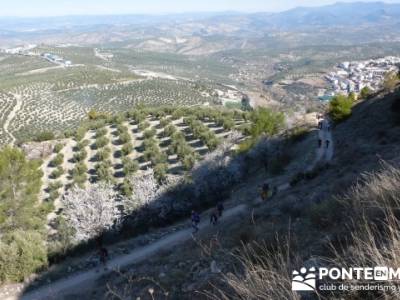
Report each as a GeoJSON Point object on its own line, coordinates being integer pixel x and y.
{"type": "Point", "coordinates": [274, 191]}
{"type": "Point", "coordinates": [195, 221]}
{"type": "Point", "coordinates": [264, 191]}
{"type": "Point", "coordinates": [327, 143]}
{"type": "Point", "coordinates": [220, 208]}
{"type": "Point", "coordinates": [320, 125]}
{"type": "Point", "coordinates": [214, 217]}
{"type": "Point", "coordinates": [103, 254]}
{"type": "Point", "coordinates": [319, 143]}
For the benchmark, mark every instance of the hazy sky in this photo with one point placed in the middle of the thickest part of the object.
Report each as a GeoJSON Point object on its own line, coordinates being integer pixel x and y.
{"type": "Point", "coordinates": [71, 7]}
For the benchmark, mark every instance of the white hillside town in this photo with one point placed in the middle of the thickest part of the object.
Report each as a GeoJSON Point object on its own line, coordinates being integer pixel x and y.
{"type": "Point", "coordinates": [29, 50]}
{"type": "Point", "coordinates": [353, 76]}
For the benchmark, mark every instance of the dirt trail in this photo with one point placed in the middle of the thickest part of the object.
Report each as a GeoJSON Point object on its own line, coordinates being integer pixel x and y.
{"type": "Point", "coordinates": [59, 288]}
{"type": "Point", "coordinates": [12, 115]}
{"type": "Point", "coordinates": [85, 279]}
{"type": "Point", "coordinates": [326, 151]}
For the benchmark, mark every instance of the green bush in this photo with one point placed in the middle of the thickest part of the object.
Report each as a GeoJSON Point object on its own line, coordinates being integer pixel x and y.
{"type": "Point", "coordinates": [101, 132]}
{"type": "Point", "coordinates": [103, 172]}
{"type": "Point", "coordinates": [188, 162]}
{"type": "Point", "coordinates": [298, 134]}
{"type": "Point", "coordinates": [103, 154]}
{"type": "Point", "coordinates": [80, 156]}
{"type": "Point", "coordinates": [169, 130]}
{"type": "Point", "coordinates": [122, 129]}
{"type": "Point", "coordinates": [44, 136]}
{"type": "Point", "coordinates": [149, 133]}
{"type": "Point", "coordinates": [81, 145]}
{"type": "Point", "coordinates": [130, 166]}
{"type": "Point", "coordinates": [95, 115]}
{"type": "Point", "coordinates": [79, 179]}
{"type": "Point", "coordinates": [62, 241]}
{"type": "Point", "coordinates": [80, 133]}
{"type": "Point", "coordinates": [144, 125]}
{"type": "Point", "coordinates": [266, 121]}
{"type": "Point", "coordinates": [365, 92]}
{"type": "Point", "coordinates": [57, 173]}
{"type": "Point", "coordinates": [101, 142]}
{"type": "Point", "coordinates": [53, 195]}
{"type": "Point", "coordinates": [21, 254]}
{"type": "Point", "coordinates": [58, 148]}
{"type": "Point", "coordinates": [79, 169]}
{"type": "Point", "coordinates": [160, 172]}
{"type": "Point", "coordinates": [126, 188]}
{"type": "Point", "coordinates": [118, 119]}
{"type": "Point", "coordinates": [340, 108]}
{"type": "Point", "coordinates": [124, 138]}
{"type": "Point", "coordinates": [164, 122]}
{"type": "Point", "coordinates": [127, 149]}
{"type": "Point", "coordinates": [22, 218]}
{"type": "Point", "coordinates": [54, 186]}
{"type": "Point", "coordinates": [57, 161]}
{"type": "Point", "coordinates": [212, 143]}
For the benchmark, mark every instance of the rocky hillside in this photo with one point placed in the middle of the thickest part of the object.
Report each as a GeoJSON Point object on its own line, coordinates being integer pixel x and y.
{"type": "Point", "coordinates": [305, 216]}
{"type": "Point", "coordinates": [322, 203]}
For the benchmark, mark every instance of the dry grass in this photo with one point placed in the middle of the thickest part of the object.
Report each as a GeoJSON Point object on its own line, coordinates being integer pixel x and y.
{"type": "Point", "coordinates": [376, 195]}
{"type": "Point", "coordinates": [372, 205]}
{"type": "Point", "coordinates": [376, 238]}
{"type": "Point", "coordinates": [263, 275]}
{"type": "Point", "coordinates": [128, 287]}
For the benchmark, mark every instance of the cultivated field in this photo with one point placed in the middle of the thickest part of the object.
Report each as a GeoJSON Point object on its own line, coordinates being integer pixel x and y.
{"type": "Point", "coordinates": [113, 148]}
{"type": "Point", "coordinates": [38, 96]}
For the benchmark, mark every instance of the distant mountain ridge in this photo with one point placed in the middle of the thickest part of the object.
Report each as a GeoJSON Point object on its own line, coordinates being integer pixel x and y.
{"type": "Point", "coordinates": [338, 14]}
{"type": "Point", "coordinates": [202, 33]}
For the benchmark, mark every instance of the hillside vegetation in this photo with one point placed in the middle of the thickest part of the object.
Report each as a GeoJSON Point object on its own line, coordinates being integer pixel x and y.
{"type": "Point", "coordinates": [22, 218]}
{"type": "Point", "coordinates": [349, 222]}
{"type": "Point", "coordinates": [124, 164]}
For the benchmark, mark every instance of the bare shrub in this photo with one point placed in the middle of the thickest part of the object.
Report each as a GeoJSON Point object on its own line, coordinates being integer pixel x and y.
{"type": "Point", "coordinates": [146, 190]}
{"type": "Point", "coordinates": [91, 211]}
{"type": "Point", "coordinates": [218, 170]}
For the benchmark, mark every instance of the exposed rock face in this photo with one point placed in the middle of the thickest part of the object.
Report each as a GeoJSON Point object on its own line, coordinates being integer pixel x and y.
{"type": "Point", "coordinates": [35, 150]}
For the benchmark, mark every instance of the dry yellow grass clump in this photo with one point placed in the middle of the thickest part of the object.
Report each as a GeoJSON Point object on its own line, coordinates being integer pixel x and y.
{"type": "Point", "coordinates": [373, 204]}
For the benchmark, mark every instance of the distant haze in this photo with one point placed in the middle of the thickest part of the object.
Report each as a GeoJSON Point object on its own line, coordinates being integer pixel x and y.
{"type": "Point", "coordinates": [95, 7]}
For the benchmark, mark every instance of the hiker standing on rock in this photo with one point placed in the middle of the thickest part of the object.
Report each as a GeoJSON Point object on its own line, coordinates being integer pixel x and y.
{"type": "Point", "coordinates": [195, 221]}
